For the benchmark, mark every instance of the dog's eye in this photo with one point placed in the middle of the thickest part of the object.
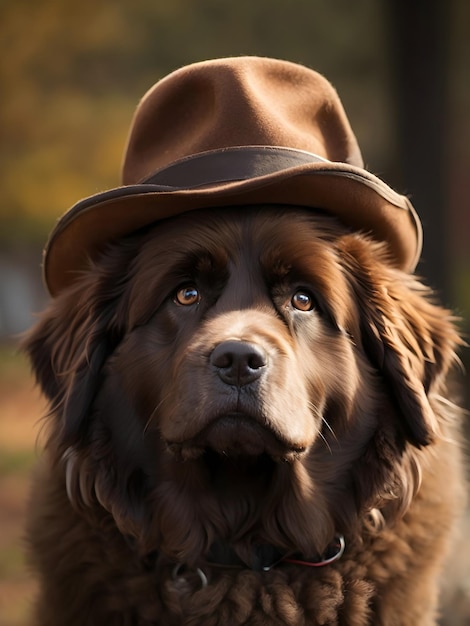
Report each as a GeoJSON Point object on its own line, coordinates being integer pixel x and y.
{"type": "Point", "coordinates": [187, 296]}
{"type": "Point", "coordinates": [302, 301]}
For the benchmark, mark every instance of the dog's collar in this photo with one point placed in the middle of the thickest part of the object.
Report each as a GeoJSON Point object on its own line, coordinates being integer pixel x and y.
{"type": "Point", "coordinates": [265, 556]}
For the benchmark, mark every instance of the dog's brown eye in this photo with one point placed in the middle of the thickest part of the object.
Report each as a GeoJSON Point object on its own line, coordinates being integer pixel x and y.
{"type": "Point", "coordinates": [302, 301]}
{"type": "Point", "coordinates": [187, 295]}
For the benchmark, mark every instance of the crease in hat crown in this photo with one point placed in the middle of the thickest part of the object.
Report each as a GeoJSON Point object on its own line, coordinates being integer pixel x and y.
{"type": "Point", "coordinates": [236, 102]}
{"type": "Point", "coordinates": [241, 130]}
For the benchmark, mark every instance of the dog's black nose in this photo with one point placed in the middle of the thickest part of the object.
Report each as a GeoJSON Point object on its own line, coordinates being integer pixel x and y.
{"type": "Point", "coordinates": [238, 362]}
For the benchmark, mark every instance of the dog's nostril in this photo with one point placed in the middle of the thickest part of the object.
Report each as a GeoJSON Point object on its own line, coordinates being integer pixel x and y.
{"type": "Point", "coordinates": [238, 362]}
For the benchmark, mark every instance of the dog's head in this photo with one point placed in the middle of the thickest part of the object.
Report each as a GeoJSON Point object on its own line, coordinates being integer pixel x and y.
{"type": "Point", "coordinates": [244, 374]}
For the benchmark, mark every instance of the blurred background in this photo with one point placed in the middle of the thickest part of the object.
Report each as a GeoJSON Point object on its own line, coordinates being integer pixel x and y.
{"type": "Point", "coordinates": [71, 74]}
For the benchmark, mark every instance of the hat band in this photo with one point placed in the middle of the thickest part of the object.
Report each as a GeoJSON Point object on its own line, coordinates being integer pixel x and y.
{"type": "Point", "coordinates": [230, 164]}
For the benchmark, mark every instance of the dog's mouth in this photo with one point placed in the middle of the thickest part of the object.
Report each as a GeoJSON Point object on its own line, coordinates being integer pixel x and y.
{"type": "Point", "coordinates": [238, 436]}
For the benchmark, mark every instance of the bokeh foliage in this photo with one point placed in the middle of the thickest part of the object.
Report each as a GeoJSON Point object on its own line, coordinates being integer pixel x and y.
{"type": "Point", "coordinates": [72, 74]}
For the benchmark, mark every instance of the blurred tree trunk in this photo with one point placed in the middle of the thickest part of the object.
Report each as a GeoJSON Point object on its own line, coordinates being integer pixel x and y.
{"type": "Point", "coordinates": [419, 41]}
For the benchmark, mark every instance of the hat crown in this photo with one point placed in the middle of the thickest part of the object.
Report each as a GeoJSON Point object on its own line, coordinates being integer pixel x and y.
{"type": "Point", "coordinates": [240, 101]}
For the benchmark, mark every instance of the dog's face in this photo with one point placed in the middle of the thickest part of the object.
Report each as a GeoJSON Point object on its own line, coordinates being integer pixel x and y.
{"type": "Point", "coordinates": [241, 335]}
{"type": "Point", "coordinates": [256, 374]}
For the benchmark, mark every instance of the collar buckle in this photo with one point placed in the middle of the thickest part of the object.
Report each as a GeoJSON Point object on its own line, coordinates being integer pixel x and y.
{"type": "Point", "coordinates": [333, 552]}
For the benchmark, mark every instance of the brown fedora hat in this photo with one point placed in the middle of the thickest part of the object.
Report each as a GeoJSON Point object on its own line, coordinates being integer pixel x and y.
{"type": "Point", "coordinates": [236, 131]}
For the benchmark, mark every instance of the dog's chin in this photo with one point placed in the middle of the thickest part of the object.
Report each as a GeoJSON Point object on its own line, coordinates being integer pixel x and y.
{"type": "Point", "coordinates": [240, 437]}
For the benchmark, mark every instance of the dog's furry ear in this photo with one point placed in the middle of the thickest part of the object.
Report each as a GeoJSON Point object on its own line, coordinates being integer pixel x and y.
{"type": "Point", "coordinates": [407, 337]}
{"type": "Point", "coordinates": [67, 349]}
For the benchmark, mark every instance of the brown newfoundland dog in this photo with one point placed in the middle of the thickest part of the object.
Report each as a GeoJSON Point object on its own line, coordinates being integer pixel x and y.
{"type": "Point", "coordinates": [248, 421]}
{"type": "Point", "coordinates": [233, 392]}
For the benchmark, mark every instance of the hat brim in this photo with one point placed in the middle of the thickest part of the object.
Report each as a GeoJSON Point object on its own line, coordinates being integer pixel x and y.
{"type": "Point", "coordinates": [355, 196]}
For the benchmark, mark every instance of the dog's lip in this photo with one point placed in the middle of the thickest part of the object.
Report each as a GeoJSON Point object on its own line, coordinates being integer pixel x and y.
{"type": "Point", "coordinates": [239, 434]}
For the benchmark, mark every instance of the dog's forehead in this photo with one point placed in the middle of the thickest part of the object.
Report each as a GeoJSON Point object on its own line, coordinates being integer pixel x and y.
{"type": "Point", "coordinates": [272, 235]}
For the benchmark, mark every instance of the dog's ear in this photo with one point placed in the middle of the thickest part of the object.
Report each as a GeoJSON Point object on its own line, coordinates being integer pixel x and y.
{"type": "Point", "coordinates": [406, 336]}
{"type": "Point", "coordinates": [67, 349]}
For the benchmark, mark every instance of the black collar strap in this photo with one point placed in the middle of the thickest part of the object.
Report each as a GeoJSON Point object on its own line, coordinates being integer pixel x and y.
{"type": "Point", "coordinates": [265, 556]}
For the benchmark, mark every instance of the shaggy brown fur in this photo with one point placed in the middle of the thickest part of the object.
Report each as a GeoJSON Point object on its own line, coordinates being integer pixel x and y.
{"type": "Point", "coordinates": [244, 377]}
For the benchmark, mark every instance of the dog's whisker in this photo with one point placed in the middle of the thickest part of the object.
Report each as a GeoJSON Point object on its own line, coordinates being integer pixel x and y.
{"type": "Point", "coordinates": [326, 423]}
{"type": "Point", "coordinates": [152, 415]}
{"type": "Point", "coordinates": [316, 411]}
{"type": "Point", "coordinates": [322, 436]}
